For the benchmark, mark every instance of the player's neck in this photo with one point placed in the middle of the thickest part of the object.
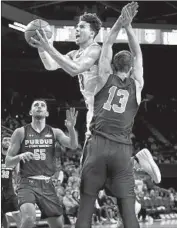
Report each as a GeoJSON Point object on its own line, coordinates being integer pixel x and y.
{"type": "Point", "coordinates": [86, 44]}
{"type": "Point", "coordinates": [122, 75]}
{"type": "Point", "coordinates": [38, 125]}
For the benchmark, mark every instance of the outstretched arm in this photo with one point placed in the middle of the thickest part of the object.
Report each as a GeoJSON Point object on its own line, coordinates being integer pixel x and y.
{"type": "Point", "coordinates": [67, 64]}
{"type": "Point", "coordinates": [105, 68]}
{"type": "Point", "coordinates": [136, 51]}
{"type": "Point", "coordinates": [134, 44]}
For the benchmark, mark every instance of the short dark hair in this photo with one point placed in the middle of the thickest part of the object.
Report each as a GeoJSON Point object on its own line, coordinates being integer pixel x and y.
{"type": "Point", "coordinates": [5, 136]}
{"type": "Point", "coordinates": [123, 61]}
{"type": "Point", "coordinates": [39, 99]}
{"type": "Point", "coordinates": [93, 20]}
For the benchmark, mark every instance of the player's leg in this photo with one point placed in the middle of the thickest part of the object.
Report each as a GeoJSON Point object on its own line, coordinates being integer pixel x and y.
{"type": "Point", "coordinates": [28, 215]}
{"type": "Point", "coordinates": [86, 210]}
{"type": "Point", "coordinates": [121, 182]}
{"type": "Point", "coordinates": [56, 222]}
{"type": "Point", "coordinates": [92, 179]}
{"type": "Point", "coordinates": [127, 212]}
{"type": "Point", "coordinates": [26, 202]}
{"type": "Point", "coordinates": [49, 204]}
{"type": "Point", "coordinates": [145, 161]}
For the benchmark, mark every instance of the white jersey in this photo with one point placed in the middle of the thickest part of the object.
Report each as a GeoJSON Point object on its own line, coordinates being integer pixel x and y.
{"type": "Point", "coordinates": [87, 83]}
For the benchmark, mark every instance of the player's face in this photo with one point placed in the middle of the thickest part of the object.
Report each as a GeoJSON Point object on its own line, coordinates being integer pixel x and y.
{"type": "Point", "coordinates": [39, 110]}
{"type": "Point", "coordinates": [6, 142]}
{"type": "Point", "coordinates": [83, 32]}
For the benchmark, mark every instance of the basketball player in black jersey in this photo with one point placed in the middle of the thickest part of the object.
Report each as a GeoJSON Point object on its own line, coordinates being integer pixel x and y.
{"type": "Point", "coordinates": [33, 146]}
{"type": "Point", "coordinates": [9, 202]}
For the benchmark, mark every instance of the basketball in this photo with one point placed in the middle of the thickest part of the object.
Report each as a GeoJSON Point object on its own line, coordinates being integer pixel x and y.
{"type": "Point", "coordinates": [37, 24]}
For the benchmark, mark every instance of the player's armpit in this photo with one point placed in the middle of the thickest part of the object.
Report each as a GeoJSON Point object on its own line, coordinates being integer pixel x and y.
{"type": "Point", "coordinates": [12, 159]}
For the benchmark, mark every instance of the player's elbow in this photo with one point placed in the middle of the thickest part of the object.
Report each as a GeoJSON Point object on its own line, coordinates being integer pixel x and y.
{"type": "Point", "coordinates": [76, 70]}
{"type": "Point", "coordinates": [51, 68]}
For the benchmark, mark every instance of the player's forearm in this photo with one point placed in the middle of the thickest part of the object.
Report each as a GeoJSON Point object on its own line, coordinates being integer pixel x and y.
{"type": "Point", "coordinates": [73, 143]}
{"type": "Point", "coordinates": [49, 63]}
{"type": "Point", "coordinates": [65, 63]}
{"type": "Point", "coordinates": [111, 38]}
{"type": "Point", "coordinates": [133, 42]}
{"type": "Point", "coordinates": [11, 162]}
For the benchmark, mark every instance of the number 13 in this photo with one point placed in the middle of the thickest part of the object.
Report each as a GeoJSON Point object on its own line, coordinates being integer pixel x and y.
{"type": "Point", "coordinates": [122, 102]}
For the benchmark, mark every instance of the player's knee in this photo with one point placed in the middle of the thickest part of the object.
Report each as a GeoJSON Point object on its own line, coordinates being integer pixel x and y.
{"type": "Point", "coordinates": [28, 221]}
{"type": "Point", "coordinates": [82, 224]}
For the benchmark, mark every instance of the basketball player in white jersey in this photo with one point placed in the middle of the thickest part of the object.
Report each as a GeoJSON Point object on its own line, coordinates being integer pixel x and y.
{"type": "Point", "coordinates": [84, 63]}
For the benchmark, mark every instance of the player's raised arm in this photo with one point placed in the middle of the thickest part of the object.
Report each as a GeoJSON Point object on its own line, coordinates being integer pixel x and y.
{"type": "Point", "coordinates": [64, 61]}
{"type": "Point", "coordinates": [70, 141]}
{"type": "Point", "coordinates": [105, 60]}
{"type": "Point", "coordinates": [134, 48]}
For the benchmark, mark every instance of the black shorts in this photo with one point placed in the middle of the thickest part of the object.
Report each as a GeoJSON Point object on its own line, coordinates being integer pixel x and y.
{"type": "Point", "coordinates": [41, 192]}
{"type": "Point", "coordinates": [9, 201]}
{"type": "Point", "coordinates": [107, 165]}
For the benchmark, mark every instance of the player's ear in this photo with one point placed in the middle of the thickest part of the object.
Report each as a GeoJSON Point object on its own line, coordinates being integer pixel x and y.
{"type": "Point", "coordinates": [30, 113]}
{"type": "Point", "coordinates": [47, 114]}
{"type": "Point", "coordinates": [93, 34]}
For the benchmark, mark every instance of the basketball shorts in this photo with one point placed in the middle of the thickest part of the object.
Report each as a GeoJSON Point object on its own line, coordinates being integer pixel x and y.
{"type": "Point", "coordinates": [41, 192]}
{"type": "Point", "coordinates": [107, 165]}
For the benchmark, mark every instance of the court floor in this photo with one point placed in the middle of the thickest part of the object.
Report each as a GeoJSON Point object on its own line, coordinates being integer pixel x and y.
{"type": "Point", "coordinates": [152, 224]}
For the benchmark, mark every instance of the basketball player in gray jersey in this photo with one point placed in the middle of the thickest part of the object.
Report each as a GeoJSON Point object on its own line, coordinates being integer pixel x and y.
{"type": "Point", "coordinates": [33, 146]}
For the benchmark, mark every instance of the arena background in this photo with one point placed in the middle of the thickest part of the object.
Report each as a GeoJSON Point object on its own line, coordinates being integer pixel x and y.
{"type": "Point", "coordinates": [24, 77]}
